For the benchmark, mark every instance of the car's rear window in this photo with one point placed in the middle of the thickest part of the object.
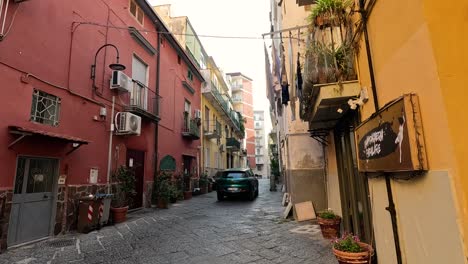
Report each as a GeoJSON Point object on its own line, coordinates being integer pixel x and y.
{"type": "Point", "coordinates": [234, 174]}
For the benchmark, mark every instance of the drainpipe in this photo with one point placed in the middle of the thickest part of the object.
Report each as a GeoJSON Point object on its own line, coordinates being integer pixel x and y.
{"type": "Point", "coordinates": [391, 205]}
{"type": "Point", "coordinates": [156, 129]}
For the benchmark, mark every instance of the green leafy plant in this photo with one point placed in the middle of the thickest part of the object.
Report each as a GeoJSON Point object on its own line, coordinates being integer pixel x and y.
{"type": "Point", "coordinates": [327, 214]}
{"type": "Point", "coordinates": [125, 187]}
{"type": "Point", "coordinates": [162, 186]}
{"type": "Point", "coordinates": [203, 181]}
{"type": "Point", "coordinates": [329, 8]}
{"type": "Point", "coordinates": [347, 243]}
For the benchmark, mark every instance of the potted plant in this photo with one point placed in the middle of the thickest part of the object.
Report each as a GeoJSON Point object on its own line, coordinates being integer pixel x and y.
{"type": "Point", "coordinates": [162, 190]}
{"type": "Point", "coordinates": [187, 187]}
{"type": "Point", "coordinates": [350, 250]}
{"type": "Point", "coordinates": [125, 190]}
{"type": "Point", "coordinates": [174, 193]}
{"type": "Point", "coordinates": [329, 12]}
{"type": "Point", "coordinates": [329, 223]}
{"type": "Point", "coordinates": [203, 183]}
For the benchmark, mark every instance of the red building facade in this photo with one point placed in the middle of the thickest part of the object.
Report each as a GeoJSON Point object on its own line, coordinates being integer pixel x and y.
{"type": "Point", "coordinates": [56, 122]}
{"type": "Point", "coordinates": [242, 88]}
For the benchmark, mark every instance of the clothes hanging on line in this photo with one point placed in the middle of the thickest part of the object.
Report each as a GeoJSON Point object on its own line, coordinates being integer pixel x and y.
{"type": "Point", "coordinates": [299, 77]}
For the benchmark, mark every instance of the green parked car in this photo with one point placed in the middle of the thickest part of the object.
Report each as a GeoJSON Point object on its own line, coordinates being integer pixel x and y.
{"type": "Point", "coordinates": [235, 182]}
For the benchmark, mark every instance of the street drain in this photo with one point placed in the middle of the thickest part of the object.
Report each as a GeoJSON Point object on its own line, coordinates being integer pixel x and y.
{"type": "Point", "coordinates": [66, 242]}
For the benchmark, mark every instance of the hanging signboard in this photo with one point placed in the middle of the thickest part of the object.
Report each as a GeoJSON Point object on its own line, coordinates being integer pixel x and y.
{"type": "Point", "coordinates": [392, 140]}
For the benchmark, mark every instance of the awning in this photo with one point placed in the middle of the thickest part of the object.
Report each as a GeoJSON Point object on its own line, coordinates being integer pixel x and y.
{"type": "Point", "coordinates": [24, 132]}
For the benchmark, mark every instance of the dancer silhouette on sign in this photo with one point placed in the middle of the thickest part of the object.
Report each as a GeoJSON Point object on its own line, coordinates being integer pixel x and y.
{"type": "Point", "coordinates": [399, 138]}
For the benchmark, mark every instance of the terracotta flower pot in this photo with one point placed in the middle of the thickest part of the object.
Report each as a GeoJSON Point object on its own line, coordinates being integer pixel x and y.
{"type": "Point", "coordinates": [355, 258]}
{"type": "Point", "coordinates": [162, 204]}
{"type": "Point", "coordinates": [203, 189]}
{"type": "Point", "coordinates": [330, 227]}
{"type": "Point", "coordinates": [187, 195]}
{"type": "Point", "coordinates": [119, 214]}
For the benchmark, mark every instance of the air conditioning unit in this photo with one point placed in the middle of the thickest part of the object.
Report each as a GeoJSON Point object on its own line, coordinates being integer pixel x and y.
{"type": "Point", "coordinates": [120, 81]}
{"type": "Point", "coordinates": [127, 123]}
{"type": "Point", "coordinates": [198, 114]}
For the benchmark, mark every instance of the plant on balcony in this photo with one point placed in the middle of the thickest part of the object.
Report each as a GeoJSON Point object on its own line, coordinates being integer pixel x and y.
{"type": "Point", "coordinates": [329, 223]}
{"type": "Point", "coordinates": [125, 190]}
{"type": "Point", "coordinates": [329, 12]}
{"type": "Point", "coordinates": [349, 249]}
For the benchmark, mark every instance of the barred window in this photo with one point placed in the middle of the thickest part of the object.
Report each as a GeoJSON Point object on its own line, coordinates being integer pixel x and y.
{"type": "Point", "coordinates": [45, 108]}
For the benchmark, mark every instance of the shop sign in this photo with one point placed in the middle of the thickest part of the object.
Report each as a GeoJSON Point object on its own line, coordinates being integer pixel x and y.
{"type": "Point", "coordinates": [392, 140]}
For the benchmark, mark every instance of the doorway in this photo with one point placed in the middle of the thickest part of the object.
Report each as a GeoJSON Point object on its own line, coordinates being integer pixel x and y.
{"type": "Point", "coordinates": [33, 199]}
{"type": "Point", "coordinates": [136, 161]}
{"type": "Point", "coordinates": [354, 189]}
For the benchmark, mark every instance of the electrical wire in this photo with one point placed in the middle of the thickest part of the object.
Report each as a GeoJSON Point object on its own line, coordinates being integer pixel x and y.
{"type": "Point", "coordinates": [178, 34]}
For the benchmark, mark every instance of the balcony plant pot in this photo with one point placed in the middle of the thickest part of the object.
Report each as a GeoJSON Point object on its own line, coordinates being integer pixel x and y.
{"type": "Point", "coordinates": [187, 195]}
{"type": "Point", "coordinates": [119, 214]}
{"type": "Point", "coordinates": [363, 257]}
{"type": "Point", "coordinates": [330, 227]}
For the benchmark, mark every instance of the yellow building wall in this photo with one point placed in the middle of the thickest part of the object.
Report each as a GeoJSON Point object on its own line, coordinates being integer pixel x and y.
{"type": "Point", "coordinates": [448, 31]}
{"type": "Point", "coordinates": [212, 143]}
{"type": "Point", "coordinates": [404, 62]}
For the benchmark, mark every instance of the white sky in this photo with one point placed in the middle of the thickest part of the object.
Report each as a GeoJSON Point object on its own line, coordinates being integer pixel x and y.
{"type": "Point", "coordinates": [231, 18]}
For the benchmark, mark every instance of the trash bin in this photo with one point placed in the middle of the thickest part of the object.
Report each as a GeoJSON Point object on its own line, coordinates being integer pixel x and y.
{"type": "Point", "coordinates": [87, 214]}
{"type": "Point", "coordinates": [93, 212]}
{"type": "Point", "coordinates": [105, 199]}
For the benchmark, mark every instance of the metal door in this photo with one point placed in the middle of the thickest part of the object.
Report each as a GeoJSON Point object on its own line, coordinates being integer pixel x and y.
{"type": "Point", "coordinates": [136, 161]}
{"type": "Point", "coordinates": [32, 204]}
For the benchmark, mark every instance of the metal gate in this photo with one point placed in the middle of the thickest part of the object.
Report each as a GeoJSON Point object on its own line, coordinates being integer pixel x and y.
{"type": "Point", "coordinates": [32, 204]}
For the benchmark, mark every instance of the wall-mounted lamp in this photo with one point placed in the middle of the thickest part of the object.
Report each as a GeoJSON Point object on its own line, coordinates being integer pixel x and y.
{"type": "Point", "coordinates": [114, 66]}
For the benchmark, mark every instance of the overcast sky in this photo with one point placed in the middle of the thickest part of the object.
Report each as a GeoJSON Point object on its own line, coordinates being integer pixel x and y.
{"type": "Point", "coordinates": [248, 18]}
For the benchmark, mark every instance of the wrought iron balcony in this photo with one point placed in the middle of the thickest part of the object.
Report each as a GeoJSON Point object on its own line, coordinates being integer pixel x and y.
{"type": "Point", "coordinates": [191, 128]}
{"type": "Point", "coordinates": [212, 130]}
{"type": "Point", "coordinates": [233, 144]}
{"type": "Point", "coordinates": [141, 105]}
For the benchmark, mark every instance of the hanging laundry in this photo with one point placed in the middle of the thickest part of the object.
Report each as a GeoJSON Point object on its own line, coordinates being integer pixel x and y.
{"type": "Point", "coordinates": [285, 93]}
{"type": "Point", "coordinates": [299, 77]}
{"type": "Point", "coordinates": [292, 87]}
{"type": "Point", "coordinates": [276, 71]}
{"type": "Point", "coordinates": [269, 81]}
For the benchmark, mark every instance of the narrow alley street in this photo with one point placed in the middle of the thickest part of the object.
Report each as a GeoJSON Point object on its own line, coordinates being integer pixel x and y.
{"type": "Point", "coordinates": [200, 230]}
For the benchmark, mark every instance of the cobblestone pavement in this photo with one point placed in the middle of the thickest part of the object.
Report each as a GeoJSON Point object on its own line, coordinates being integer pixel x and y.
{"type": "Point", "coordinates": [200, 230]}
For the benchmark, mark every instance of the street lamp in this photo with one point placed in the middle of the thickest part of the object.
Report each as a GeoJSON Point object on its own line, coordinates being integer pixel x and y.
{"type": "Point", "coordinates": [114, 66]}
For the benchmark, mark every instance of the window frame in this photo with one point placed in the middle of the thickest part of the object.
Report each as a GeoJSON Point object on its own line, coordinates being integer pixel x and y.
{"type": "Point", "coordinates": [138, 11]}
{"type": "Point", "coordinates": [34, 117]}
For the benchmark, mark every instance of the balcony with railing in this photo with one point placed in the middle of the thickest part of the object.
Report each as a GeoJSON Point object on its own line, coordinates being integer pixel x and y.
{"type": "Point", "coordinates": [211, 130]}
{"type": "Point", "coordinates": [237, 87]}
{"type": "Point", "coordinates": [190, 127]}
{"type": "Point", "coordinates": [143, 102]}
{"type": "Point", "coordinates": [330, 78]}
{"type": "Point", "coordinates": [223, 105]}
{"type": "Point", "coordinates": [233, 144]}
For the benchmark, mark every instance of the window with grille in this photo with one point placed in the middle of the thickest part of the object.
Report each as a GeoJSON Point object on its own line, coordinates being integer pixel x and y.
{"type": "Point", "coordinates": [136, 12]}
{"type": "Point", "coordinates": [45, 108]}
